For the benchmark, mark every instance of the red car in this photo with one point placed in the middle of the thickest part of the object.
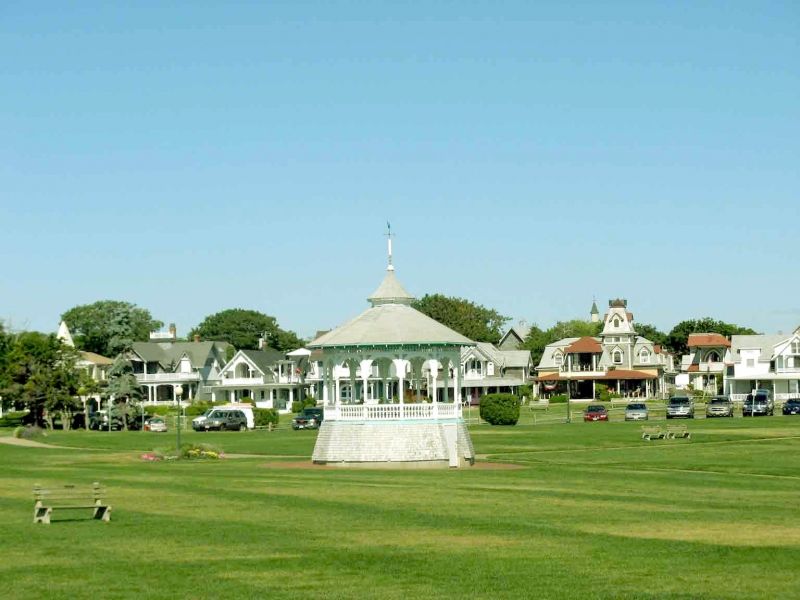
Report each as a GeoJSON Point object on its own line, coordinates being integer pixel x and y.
{"type": "Point", "coordinates": [596, 412]}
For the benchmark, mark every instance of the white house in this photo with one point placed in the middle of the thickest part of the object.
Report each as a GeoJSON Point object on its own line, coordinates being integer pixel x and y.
{"type": "Point", "coordinates": [704, 366]}
{"type": "Point", "coordinates": [764, 361]}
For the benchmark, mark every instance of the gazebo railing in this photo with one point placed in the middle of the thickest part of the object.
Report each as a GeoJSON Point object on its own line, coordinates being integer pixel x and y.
{"type": "Point", "coordinates": [393, 412]}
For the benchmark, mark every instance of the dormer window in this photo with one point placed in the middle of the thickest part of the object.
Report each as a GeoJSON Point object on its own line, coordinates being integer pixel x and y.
{"type": "Point", "coordinates": [644, 355]}
{"type": "Point", "coordinates": [796, 347]}
{"type": "Point", "coordinates": [712, 357]}
{"type": "Point", "coordinates": [616, 357]}
{"type": "Point", "coordinates": [558, 358]}
{"type": "Point", "coordinates": [616, 322]}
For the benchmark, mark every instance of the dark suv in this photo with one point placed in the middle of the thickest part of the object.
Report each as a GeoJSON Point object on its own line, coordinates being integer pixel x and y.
{"type": "Point", "coordinates": [221, 419]}
{"type": "Point", "coordinates": [759, 403]}
{"type": "Point", "coordinates": [310, 418]}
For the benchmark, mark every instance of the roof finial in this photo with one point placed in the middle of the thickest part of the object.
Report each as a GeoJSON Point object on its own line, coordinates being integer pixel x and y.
{"type": "Point", "coordinates": [389, 236]}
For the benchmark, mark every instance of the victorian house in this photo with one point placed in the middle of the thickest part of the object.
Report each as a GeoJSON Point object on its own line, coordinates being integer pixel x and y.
{"type": "Point", "coordinates": [267, 377]}
{"type": "Point", "coordinates": [618, 358]}
{"type": "Point", "coordinates": [764, 362]}
{"type": "Point", "coordinates": [167, 369]}
{"type": "Point", "coordinates": [704, 367]}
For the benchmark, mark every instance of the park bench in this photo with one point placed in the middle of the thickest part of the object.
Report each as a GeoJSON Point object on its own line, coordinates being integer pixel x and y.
{"type": "Point", "coordinates": [678, 431]}
{"type": "Point", "coordinates": [70, 497]}
{"type": "Point", "coordinates": [652, 432]}
{"type": "Point", "coordinates": [542, 404]}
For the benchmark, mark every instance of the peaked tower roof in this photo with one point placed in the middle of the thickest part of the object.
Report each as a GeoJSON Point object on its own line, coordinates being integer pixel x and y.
{"type": "Point", "coordinates": [390, 291]}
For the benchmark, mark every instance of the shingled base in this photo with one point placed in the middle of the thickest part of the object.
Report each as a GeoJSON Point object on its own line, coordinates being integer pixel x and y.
{"type": "Point", "coordinates": [400, 444]}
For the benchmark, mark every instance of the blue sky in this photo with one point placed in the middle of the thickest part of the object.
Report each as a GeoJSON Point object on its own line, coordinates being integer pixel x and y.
{"type": "Point", "coordinates": [192, 157]}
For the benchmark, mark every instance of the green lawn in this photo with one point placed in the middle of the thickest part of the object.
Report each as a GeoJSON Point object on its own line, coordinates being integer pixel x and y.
{"type": "Point", "coordinates": [591, 511]}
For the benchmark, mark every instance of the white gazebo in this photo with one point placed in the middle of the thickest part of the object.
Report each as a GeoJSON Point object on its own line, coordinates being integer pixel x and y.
{"type": "Point", "coordinates": [380, 373]}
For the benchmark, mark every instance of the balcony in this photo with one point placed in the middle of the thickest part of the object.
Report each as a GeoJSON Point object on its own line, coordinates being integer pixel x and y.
{"type": "Point", "coordinates": [166, 377]}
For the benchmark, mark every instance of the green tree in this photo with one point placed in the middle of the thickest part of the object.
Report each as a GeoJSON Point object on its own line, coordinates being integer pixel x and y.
{"type": "Point", "coordinates": [122, 385]}
{"type": "Point", "coordinates": [41, 375]}
{"type": "Point", "coordinates": [476, 322]}
{"type": "Point", "coordinates": [243, 328]}
{"type": "Point", "coordinates": [679, 334]}
{"type": "Point", "coordinates": [652, 333]}
{"type": "Point", "coordinates": [108, 326]}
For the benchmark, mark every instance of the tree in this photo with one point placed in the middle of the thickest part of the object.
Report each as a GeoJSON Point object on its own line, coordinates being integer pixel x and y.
{"type": "Point", "coordinates": [472, 320]}
{"type": "Point", "coordinates": [122, 385]}
{"type": "Point", "coordinates": [108, 326]}
{"type": "Point", "coordinates": [679, 334]}
{"type": "Point", "coordinates": [41, 374]}
{"type": "Point", "coordinates": [243, 328]}
{"type": "Point", "coordinates": [652, 333]}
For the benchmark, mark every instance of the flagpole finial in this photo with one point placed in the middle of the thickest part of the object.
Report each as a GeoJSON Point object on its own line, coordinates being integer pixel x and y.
{"type": "Point", "coordinates": [389, 236]}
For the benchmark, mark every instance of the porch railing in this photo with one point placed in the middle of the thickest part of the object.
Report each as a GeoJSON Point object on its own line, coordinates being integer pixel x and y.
{"type": "Point", "coordinates": [393, 412]}
{"type": "Point", "coordinates": [166, 377]}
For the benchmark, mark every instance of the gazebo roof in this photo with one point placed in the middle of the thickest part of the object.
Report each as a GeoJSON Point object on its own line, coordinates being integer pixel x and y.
{"type": "Point", "coordinates": [391, 324]}
{"type": "Point", "coordinates": [391, 321]}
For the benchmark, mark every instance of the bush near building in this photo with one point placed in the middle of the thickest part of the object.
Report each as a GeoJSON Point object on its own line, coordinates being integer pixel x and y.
{"type": "Point", "coordinates": [265, 416]}
{"type": "Point", "coordinates": [500, 409]}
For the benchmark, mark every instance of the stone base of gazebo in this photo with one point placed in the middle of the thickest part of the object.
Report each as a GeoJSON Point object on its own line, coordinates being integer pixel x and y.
{"type": "Point", "coordinates": [399, 444]}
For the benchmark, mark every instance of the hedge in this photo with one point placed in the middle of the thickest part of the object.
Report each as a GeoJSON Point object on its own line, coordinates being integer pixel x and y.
{"type": "Point", "coordinates": [265, 416]}
{"type": "Point", "coordinates": [500, 409]}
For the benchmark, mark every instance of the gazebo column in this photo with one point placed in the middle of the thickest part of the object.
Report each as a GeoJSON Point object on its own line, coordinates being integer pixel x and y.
{"type": "Point", "coordinates": [400, 367]}
{"type": "Point", "coordinates": [366, 368]}
{"type": "Point", "coordinates": [446, 379]}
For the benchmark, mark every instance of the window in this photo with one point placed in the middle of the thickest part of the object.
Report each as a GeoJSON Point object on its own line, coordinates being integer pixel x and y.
{"type": "Point", "coordinates": [644, 355]}
{"type": "Point", "coordinates": [796, 347]}
{"type": "Point", "coordinates": [616, 322]}
{"type": "Point", "coordinates": [558, 358]}
{"type": "Point", "coordinates": [712, 356]}
{"type": "Point", "coordinates": [616, 357]}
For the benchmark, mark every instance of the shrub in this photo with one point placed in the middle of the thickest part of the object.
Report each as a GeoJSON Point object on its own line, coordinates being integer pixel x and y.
{"type": "Point", "coordinates": [525, 391]}
{"type": "Point", "coordinates": [29, 432]}
{"type": "Point", "coordinates": [558, 399]}
{"type": "Point", "coordinates": [297, 406]}
{"type": "Point", "coordinates": [500, 409]}
{"type": "Point", "coordinates": [264, 416]}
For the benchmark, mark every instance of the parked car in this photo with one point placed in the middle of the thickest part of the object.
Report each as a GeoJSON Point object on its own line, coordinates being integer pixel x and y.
{"type": "Point", "coordinates": [156, 424]}
{"type": "Point", "coordinates": [680, 407]}
{"type": "Point", "coordinates": [791, 407]}
{"type": "Point", "coordinates": [221, 419]}
{"type": "Point", "coordinates": [759, 403]}
{"type": "Point", "coordinates": [98, 420]}
{"type": "Point", "coordinates": [719, 406]}
{"type": "Point", "coordinates": [310, 418]}
{"type": "Point", "coordinates": [595, 412]}
{"type": "Point", "coordinates": [636, 411]}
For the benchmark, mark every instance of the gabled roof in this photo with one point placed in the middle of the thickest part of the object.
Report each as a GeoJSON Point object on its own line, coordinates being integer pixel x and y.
{"type": "Point", "coordinates": [586, 344]}
{"type": "Point", "coordinates": [166, 353]}
{"type": "Point", "coordinates": [95, 359]}
{"type": "Point", "coordinates": [706, 340]}
{"type": "Point", "coordinates": [263, 359]}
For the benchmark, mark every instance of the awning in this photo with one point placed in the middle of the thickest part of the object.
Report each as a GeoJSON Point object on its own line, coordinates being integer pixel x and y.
{"type": "Point", "coordinates": [613, 375]}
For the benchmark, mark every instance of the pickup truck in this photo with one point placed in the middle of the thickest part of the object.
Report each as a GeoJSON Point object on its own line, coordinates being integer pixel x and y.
{"type": "Point", "coordinates": [310, 418]}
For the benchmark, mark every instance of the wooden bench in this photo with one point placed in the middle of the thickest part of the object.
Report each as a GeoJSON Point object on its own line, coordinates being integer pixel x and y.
{"type": "Point", "coordinates": [70, 497]}
{"type": "Point", "coordinates": [652, 432]}
{"type": "Point", "coordinates": [678, 431]}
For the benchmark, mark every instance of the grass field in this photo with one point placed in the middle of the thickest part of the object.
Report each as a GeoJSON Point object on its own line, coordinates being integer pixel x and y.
{"type": "Point", "coordinates": [588, 511]}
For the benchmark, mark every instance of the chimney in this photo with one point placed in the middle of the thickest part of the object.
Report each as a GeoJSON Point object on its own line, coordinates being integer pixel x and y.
{"type": "Point", "coordinates": [173, 331]}
{"type": "Point", "coordinates": [196, 338]}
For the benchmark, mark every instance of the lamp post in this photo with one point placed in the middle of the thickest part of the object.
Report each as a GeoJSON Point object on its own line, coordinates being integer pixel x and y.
{"type": "Point", "coordinates": [178, 394]}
